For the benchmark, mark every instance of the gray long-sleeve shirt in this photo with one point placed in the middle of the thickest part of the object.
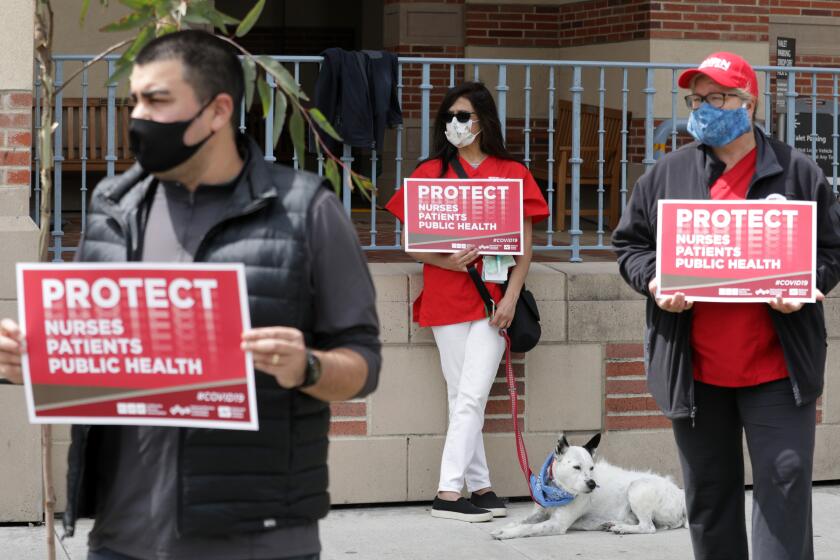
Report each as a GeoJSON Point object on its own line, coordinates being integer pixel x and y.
{"type": "Point", "coordinates": [137, 509]}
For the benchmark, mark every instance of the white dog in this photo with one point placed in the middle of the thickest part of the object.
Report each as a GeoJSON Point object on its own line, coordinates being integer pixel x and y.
{"type": "Point", "coordinates": [606, 498]}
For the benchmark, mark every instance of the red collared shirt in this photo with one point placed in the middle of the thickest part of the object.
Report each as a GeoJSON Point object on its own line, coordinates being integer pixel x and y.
{"type": "Point", "coordinates": [450, 297]}
{"type": "Point", "coordinates": [735, 344]}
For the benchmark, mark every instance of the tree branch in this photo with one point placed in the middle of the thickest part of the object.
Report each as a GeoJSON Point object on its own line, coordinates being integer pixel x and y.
{"type": "Point", "coordinates": [92, 61]}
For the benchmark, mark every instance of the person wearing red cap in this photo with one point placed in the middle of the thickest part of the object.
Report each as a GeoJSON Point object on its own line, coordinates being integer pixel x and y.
{"type": "Point", "coordinates": [722, 371]}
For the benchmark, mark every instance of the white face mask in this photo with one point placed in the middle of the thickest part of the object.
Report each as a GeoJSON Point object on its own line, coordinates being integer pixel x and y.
{"type": "Point", "coordinates": [459, 134]}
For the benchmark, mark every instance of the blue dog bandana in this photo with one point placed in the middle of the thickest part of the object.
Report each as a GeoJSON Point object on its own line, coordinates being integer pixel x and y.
{"type": "Point", "coordinates": [543, 492]}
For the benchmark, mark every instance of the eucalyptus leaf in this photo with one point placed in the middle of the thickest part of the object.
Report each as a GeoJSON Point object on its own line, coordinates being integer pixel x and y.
{"type": "Point", "coordinates": [136, 19]}
{"type": "Point", "coordinates": [325, 125]}
{"type": "Point", "coordinates": [120, 72]}
{"type": "Point", "coordinates": [363, 184]}
{"type": "Point", "coordinates": [249, 69]}
{"type": "Point", "coordinates": [137, 4]}
{"type": "Point", "coordinates": [196, 18]}
{"type": "Point", "coordinates": [204, 10]}
{"type": "Point", "coordinates": [126, 62]}
{"type": "Point", "coordinates": [265, 95]}
{"type": "Point", "coordinates": [250, 19]}
{"type": "Point", "coordinates": [85, 8]}
{"type": "Point", "coordinates": [280, 105]}
{"type": "Point", "coordinates": [331, 172]}
{"type": "Point", "coordinates": [282, 76]}
{"type": "Point", "coordinates": [296, 132]}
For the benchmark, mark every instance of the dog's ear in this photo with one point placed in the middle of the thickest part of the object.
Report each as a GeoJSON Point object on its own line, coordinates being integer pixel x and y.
{"type": "Point", "coordinates": [592, 444]}
{"type": "Point", "coordinates": [562, 444]}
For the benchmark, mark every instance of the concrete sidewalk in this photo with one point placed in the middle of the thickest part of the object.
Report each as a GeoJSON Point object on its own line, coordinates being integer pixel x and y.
{"type": "Point", "coordinates": [410, 533]}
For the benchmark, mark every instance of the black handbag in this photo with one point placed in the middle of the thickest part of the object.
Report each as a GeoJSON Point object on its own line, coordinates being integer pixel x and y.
{"type": "Point", "coordinates": [524, 331]}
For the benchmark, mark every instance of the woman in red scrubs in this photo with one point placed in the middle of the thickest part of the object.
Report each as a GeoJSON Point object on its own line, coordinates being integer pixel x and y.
{"type": "Point", "coordinates": [467, 128]}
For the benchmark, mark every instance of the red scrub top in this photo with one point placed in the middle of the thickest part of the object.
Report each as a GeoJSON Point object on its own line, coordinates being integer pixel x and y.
{"type": "Point", "coordinates": [735, 344]}
{"type": "Point", "coordinates": [450, 297]}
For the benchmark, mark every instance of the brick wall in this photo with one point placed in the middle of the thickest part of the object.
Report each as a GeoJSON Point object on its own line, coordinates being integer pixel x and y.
{"type": "Point", "coordinates": [627, 403]}
{"type": "Point", "coordinates": [15, 137]}
{"type": "Point", "coordinates": [805, 7]}
{"type": "Point", "coordinates": [726, 20]}
{"type": "Point", "coordinates": [350, 418]}
{"type": "Point", "coordinates": [606, 21]}
{"type": "Point", "coordinates": [412, 76]}
{"type": "Point", "coordinates": [512, 25]}
{"type": "Point", "coordinates": [497, 417]}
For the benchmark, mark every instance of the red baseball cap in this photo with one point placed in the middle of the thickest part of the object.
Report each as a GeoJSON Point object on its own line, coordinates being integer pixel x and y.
{"type": "Point", "coordinates": [726, 68]}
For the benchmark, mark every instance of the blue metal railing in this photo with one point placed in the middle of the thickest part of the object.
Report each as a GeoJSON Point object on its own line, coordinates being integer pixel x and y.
{"type": "Point", "coordinates": [535, 75]}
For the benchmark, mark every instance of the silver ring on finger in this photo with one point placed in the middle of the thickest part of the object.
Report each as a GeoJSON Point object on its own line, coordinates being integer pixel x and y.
{"type": "Point", "coordinates": [275, 359]}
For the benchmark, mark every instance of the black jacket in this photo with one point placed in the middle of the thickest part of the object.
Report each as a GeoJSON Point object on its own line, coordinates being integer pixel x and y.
{"type": "Point", "coordinates": [357, 92]}
{"type": "Point", "coordinates": [230, 481]}
{"type": "Point", "coordinates": [689, 173]}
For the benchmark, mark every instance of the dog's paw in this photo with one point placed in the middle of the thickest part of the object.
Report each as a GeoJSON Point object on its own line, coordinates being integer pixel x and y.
{"type": "Point", "coordinates": [503, 534]}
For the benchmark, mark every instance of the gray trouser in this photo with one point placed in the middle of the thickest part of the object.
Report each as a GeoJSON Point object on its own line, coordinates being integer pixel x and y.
{"type": "Point", "coordinates": [780, 439]}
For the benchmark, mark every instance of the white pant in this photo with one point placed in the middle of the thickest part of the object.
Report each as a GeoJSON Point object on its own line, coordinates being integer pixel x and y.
{"type": "Point", "coordinates": [469, 356]}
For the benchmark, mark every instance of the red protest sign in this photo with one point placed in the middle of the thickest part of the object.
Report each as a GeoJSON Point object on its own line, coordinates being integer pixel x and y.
{"type": "Point", "coordinates": [744, 250]}
{"type": "Point", "coordinates": [448, 215]}
{"type": "Point", "coordinates": [137, 344]}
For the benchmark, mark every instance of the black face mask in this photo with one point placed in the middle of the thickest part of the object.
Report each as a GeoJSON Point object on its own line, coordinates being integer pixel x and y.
{"type": "Point", "coordinates": [160, 146]}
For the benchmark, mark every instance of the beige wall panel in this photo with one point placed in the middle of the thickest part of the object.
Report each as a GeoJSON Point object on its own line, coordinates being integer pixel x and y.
{"type": "Point", "coordinates": [368, 470]}
{"type": "Point", "coordinates": [423, 23]}
{"type": "Point", "coordinates": [390, 281]}
{"type": "Point", "coordinates": [815, 35]}
{"type": "Point", "coordinates": [16, 44]}
{"type": "Point", "coordinates": [642, 450]}
{"type": "Point", "coordinates": [20, 462]}
{"type": "Point", "coordinates": [831, 394]}
{"type": "Point", "coordinates": [826, 465]}
{"type": "Point", "coordinates": [606, 321]}
{"type": "Point", "coordinates": [411, 398]}
{"type": "Point", "coordinates": [19, 244]}
{"type": "Point", "coordinates": [14, 201]}
{"type": "Point", "coordinates": [424, 466]}
{"type": "Point", "coordinates": [546, 282]}
{"type": "Point", "coordinates": [563, 388]}
{"type": "Point", "coordinates": [595, 281]}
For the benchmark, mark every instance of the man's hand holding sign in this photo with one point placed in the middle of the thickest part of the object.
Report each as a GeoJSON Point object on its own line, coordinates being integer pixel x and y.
{"type": "Point", "coordinates": [11, 351]}
{"type": "Point", "coordinates": [133, 344]}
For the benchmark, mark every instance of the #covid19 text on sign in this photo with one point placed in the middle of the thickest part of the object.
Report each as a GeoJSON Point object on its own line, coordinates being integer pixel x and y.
{"type": "Point", "coordinates": [137, 344]}
{"type": "Point", "coordinates": [744, 250]}
{"type": "Point", "coordinates": [449, 215]}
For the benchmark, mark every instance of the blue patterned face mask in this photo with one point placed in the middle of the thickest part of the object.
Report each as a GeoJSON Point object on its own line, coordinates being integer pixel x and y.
{"type": "Point", "coordinates": [718, 127]}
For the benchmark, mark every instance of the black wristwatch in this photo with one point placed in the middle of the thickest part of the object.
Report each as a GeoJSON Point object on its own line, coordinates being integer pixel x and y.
{"type": "Point", "coordinates": [313, 370]}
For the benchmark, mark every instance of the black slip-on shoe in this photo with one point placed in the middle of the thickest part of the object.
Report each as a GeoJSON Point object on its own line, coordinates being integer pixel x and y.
{"type": "Point", "coordinates": [489, 501]}
{"type": "Point", "coordinates": [462, 510]}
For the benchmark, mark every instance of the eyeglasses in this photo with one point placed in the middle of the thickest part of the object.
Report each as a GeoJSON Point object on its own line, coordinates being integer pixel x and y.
{"type": "Point", "coordinates": [462, 116]}
{"type": "Point", "coordinates": [716, 100]}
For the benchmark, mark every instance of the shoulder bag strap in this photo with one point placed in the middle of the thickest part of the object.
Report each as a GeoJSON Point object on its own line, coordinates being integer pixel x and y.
{"type": "Point", "coordinates": [459, 169]}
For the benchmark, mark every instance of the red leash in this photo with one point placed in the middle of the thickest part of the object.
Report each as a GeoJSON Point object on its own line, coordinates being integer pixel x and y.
{"type": "Point", "coordinates": [521, 452]}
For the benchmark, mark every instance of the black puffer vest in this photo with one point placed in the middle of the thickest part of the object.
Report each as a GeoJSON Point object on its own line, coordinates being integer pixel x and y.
{"type": "Point", "coordinates": [230, 481]}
